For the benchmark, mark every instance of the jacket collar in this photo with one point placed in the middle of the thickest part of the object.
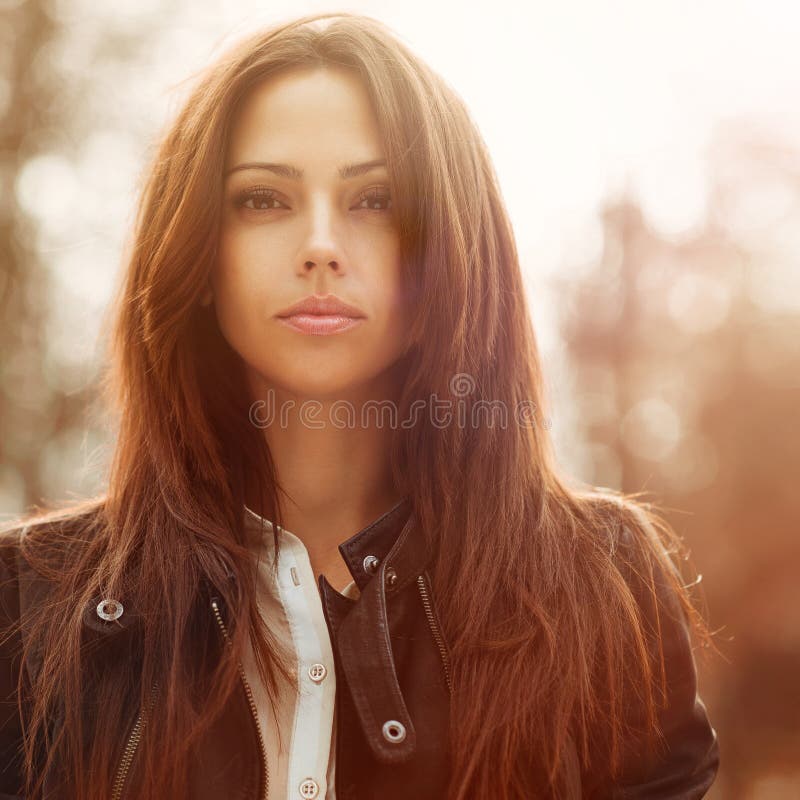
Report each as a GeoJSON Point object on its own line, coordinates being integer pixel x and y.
{"type": "Point", "coordinates": [374, 539]}
{"type": "Point", "coordinates": [361, 628]}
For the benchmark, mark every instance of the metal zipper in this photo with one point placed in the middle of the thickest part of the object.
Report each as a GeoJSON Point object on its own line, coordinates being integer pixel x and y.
{"type": "Point", "coordinates": [132, 745]}
{"type": "Point", "coordinates": [426, 601]}
{"type": "Point", "coordinates": [251, 702]}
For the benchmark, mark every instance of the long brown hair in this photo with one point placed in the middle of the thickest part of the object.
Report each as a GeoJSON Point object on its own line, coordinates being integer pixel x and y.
{"type": "Point", "coordinates": [535, 586]}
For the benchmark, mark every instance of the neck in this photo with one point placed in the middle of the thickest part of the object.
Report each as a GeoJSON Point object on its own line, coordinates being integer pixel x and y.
{"type": "Point", "coordinates": [334, 479]}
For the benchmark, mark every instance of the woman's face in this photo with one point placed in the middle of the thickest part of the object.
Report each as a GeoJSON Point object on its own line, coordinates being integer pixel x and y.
{"type": "Point", "coordinates": [319, 221]}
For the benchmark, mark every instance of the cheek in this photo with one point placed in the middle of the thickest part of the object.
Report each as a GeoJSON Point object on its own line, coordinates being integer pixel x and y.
{"type": "Point", "coordinates": [240, 282]}
{"type": "Point", "coordinates": [242, 272]}
{"type": "Point", "coordinates": [382, 274]}
{"type": "Point", "coordinates": [389, 300]}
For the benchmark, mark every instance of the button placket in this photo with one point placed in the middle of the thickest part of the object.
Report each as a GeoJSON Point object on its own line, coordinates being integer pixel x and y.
{"type": "Point", "coordinates": [313, 704]}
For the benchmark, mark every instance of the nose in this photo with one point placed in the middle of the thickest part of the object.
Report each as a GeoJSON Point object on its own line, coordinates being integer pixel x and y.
{"type": "Point", "coordinates": [322, 247]}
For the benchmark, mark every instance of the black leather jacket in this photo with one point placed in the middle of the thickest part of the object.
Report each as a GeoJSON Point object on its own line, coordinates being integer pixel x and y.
{"type": "Point", "coordinates": [393, 689]}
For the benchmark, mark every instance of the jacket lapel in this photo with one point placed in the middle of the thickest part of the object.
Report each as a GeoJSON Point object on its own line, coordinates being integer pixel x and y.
{"type": "Point", "coordinates": [364, 646]}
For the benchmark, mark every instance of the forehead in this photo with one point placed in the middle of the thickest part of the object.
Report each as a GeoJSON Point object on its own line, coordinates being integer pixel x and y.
{"type": "Point", "coordinates": [307, 116]}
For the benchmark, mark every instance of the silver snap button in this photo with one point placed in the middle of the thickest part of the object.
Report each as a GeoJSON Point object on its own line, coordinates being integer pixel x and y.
{"type": "Point", "coordinates": [317, 672]}
{"type": "Point", "coordinates": [394, 731]}
{"type": "Point", "coordinates": [371, 564]}
{"type": "Point", "coordinates": [309, 788]}
{"type": "Point", "coordinates": [109, 609]}
{"type": "Point", "coordinates": [391, 577]}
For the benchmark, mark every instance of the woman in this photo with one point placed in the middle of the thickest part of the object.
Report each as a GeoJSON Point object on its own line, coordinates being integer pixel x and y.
{"type": "Point", "coordinates": [325, 374]}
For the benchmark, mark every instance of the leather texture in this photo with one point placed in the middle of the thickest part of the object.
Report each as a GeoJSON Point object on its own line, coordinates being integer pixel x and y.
{"type": "Point", "coordinates": [391, 667]}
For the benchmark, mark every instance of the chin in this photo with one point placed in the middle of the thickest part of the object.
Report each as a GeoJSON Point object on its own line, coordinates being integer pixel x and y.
{"type": "Point", "coordinates": [307, 380]}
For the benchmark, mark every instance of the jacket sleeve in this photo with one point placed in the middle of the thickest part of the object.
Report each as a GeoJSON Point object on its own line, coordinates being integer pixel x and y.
{"type": "Point", "coordinates": [10, 659]}
{"type": "Point", "coordinates": [685, 761]}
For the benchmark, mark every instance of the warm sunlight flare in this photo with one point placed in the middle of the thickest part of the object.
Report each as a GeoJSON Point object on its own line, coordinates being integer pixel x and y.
{"type": "Point", "coordinates": [647, 156]}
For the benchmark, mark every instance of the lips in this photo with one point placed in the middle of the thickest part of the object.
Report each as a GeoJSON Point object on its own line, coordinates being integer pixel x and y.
{"type": "Point", "coordinates": [321, 315]}
{"type": "Point", "coordinates": [322, 306]}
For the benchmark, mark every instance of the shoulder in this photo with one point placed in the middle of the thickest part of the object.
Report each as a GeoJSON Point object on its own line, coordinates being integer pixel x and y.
{"type": "Point", "coordinates": [34, 549]}
{"type": "Point", "coordinates": [645, 555]}
{"type": "Point", "coordinates": [645, 567]}
{"type": "Point", "coordinates": [643, 548]}
{"type": "Point", "coordinates": [35, 555]}
{"type": "Point", "coordinates": [56, 529]}
{"type": "Point", "coordinates": [31, 549]}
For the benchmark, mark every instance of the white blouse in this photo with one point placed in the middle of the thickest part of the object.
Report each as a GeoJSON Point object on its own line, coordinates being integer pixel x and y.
{"type": "Point", "coordinates": [300, 739]}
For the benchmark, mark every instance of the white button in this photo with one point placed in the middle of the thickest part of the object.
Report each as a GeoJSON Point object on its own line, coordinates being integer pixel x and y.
{"type": "Point", "coordinates": [309, 788]}
{"type": "Point", "coordinates": [394, 731]}
{"type": "Point", "coordinates": [317, 672]}
{"type": "Point", "coordinates": [109, 609]}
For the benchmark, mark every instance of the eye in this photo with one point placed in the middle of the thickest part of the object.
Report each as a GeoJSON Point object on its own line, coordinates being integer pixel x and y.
{"type": "Point", "coordinates": [376, 196]}
{"type": "Point", "coordinates": [262, 200]}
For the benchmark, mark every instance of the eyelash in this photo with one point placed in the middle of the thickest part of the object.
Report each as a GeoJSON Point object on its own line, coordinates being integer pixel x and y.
{"type": "Point", "coordinates": [267, 195]}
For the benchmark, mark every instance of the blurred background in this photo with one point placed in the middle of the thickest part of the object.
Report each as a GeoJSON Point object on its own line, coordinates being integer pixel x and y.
{"type": "Point", "coordinates": [650, 160]}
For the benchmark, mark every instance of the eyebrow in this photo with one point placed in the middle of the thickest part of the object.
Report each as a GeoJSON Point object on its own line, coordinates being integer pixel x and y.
{"type": "Point", "coordinates": [295, 173]}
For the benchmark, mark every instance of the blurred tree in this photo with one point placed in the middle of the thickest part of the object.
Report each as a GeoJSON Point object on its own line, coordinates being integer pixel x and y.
{"type": "Point", "coordinates": [70, 156]}
{"type": "Point", "coordinates": [29, 411]}
{"type": "Point", "coordinates": [687, 385]}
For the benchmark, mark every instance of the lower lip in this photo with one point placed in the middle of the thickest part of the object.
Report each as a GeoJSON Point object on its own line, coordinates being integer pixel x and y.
{"type": "Point", "coordinates": [320, 325]}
